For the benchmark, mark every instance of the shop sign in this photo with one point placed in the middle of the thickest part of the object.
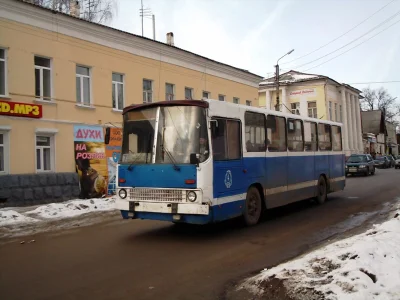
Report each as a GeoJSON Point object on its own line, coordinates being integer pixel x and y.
{"type": "Point", "coordinates": [306, 92]}
{"type": "Point", "coordinates": [18, 109]}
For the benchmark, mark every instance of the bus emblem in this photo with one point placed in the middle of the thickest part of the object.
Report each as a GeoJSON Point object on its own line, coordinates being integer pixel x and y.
{"type": "Point", "coordinates": [228, 179]}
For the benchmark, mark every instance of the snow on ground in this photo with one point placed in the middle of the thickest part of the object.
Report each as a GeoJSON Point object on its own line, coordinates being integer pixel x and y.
{"type": "Point", "coordinates": [72, 208]}
{"type": "Point", "coordinates": [365, 266]}
{"type": "Point", "coordinates": [68, 209]}
{"type": "Point", "coordinates": [11, 217]}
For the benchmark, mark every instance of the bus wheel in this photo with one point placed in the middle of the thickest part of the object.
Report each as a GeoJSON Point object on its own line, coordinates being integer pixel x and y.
{"type": "Point", "coordinates": [252, 211]}
{"type": "Point", "coordinates": [322, 190]}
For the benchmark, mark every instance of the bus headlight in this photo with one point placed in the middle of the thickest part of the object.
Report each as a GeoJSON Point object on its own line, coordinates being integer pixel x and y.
{"type": "Point", "coordinates": [122, 193]}
{"type": "Point", "coordinates": [191, 196]}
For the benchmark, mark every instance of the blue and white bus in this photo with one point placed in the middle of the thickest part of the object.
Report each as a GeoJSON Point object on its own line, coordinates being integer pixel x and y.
{"type": "Point", "coordinates": [207, 161]}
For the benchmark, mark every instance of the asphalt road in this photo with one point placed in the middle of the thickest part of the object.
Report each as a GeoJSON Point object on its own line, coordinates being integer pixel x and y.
{"type": "Point", "coordinates": [133, 259]}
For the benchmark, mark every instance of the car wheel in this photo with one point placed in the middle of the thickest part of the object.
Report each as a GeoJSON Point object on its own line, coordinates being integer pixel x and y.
{"type": "Point", "coordinates": [252, 210]}
{"type": "Point", "coordinates": [322, 192]}
{"type": "Point", "coordinates": [373, 171]}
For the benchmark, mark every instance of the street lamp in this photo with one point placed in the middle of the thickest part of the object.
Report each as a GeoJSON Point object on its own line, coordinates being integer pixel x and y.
{"type": "Point", "coordinates": [277, 79]}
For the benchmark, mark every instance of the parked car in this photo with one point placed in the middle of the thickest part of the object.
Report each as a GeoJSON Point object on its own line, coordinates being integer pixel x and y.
{"type": "Point", "coordinates": [360, 164]}
{"type": "Point", "coordinates": [397, 162]}
{"type": "Point", "coordinates": [391, 160]}
{"type": "Point", "coordinates": [382, 162]}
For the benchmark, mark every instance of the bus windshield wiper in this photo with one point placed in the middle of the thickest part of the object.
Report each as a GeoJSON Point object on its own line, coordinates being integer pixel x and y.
{"type": "Point", "coordinates": [176, 167]}
{"type": "Point", "coordinates": [136, 158]}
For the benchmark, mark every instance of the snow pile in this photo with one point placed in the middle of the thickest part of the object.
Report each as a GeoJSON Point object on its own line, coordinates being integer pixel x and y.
{"type": "Point", "coordinates": [11, 217]}
{"type": "Point", "coordinates": [365, 266]}
{"type": "Point", "coordinates": [290, 77]}
{"type": "Point", "coordinates": [73, 208]}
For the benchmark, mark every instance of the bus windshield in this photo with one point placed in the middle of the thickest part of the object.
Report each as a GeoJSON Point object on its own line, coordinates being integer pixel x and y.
{"type": "Point", "coordinates": [181, 131]}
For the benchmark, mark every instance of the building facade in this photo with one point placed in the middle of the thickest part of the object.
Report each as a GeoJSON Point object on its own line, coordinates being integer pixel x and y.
{"type": "Point", "coordinates": [319, 97]}
{"type": "Point", "coordinates": [59, 72]}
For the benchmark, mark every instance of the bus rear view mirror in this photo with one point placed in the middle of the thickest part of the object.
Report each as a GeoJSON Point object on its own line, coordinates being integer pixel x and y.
{"type": "Point", "coordinates": [194, 160]}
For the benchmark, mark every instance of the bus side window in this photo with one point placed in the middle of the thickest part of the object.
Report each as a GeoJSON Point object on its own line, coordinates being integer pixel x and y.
{"type": "Point", "coordinates": [226, 139]}
{"type": "Point", "coordinates": [337, 138]}
{"type": "Point", "coordinates": [276, 133]}
{"type": "Point", "coordinates": [255, 132]}
{"type": "Point", "coordinates": [295, 135]}
{"type": "Point", "coordinates": [310, 136]}
{"type": "Point", "coordinates": [324, 137]}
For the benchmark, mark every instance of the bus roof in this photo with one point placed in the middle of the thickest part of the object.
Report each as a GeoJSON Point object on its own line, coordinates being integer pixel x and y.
{"type": "Point", "coordinates": [199, 103]}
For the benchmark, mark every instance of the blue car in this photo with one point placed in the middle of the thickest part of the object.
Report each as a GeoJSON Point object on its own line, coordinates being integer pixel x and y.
{"type": "Point", "coordinates": [360, 164]}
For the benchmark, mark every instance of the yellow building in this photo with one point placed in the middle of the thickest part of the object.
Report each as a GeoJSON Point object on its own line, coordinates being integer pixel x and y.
{"type": "Point", "coordinates": [58, 71]}
{"type": "Point", "coordinates": [320, 97]}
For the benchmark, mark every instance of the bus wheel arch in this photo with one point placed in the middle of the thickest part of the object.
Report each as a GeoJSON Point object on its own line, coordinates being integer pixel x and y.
{"type": "Point", "coordinates": [254, 205]}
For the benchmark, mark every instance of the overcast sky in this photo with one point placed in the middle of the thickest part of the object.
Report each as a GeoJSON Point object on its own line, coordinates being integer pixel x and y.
{"type": "Point", "coordinates": [253, 34]}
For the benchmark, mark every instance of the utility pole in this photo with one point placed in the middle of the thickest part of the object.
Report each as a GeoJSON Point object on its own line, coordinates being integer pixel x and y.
{"type": "Point", "coordinates": [277, 80]}
{"type": "Point", "coordinates": [154, 27]}
{"type": "Point", "coordinates": [141, 13]}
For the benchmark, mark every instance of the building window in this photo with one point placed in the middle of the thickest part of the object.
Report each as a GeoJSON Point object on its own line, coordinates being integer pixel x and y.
{"type": "Point", "coordinates": [310, 136]}
{"type": "Point", "coordinates": [330, 110]}
{"type": "Point", "coordinates": [206, 95]}
{"type": "Point", "coordinates": [43, 78]}
{"type": "Point", "coordinates": [44, 153]}
{"type": "Point", "coordinates": [340, 113]}
{"type": "Point", "coordinates": [236, 100]}
{"type": "Point", "coordinates": [276, 133]}
{"type": "Point", "coordinates": [117, 91]}
{"type": "Point", "coordinates": [83, 88]}
{"type": "Point", "coordinates": [324, 137]}
{"type": "Point", "coordinates": [295, 108]}
{"type": "Point", "coordinates": [147, 91]}
{"type": "Point", "coordinates": [312, 109]}
{"type": "Point", "coordinates": [3, 72]}
{"type": "Point", "coordinates": [169, 92]}
{"type": "Point", "coordinates": [254, 132]}
{"type": "Point", "coordinates": [248, 102]}
{"type": "Point", "coordinates": [188, 93]}
{"type": "Point", "coordinates": [221, 97]}
{"type": "Point", "coordinates": [4, 159]}
{"type": "Point", "coordinates": [226, 139]}
{"type": "Point", "coordinates": [295, 135]}
{"type": "Point", "coordinates": [336, 113]}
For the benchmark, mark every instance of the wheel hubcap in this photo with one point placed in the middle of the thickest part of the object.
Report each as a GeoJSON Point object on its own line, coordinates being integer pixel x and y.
{"type": "Point", "coordinates": [252, 206]}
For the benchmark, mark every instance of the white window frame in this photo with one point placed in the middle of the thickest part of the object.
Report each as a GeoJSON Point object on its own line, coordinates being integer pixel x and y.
{"type": "Point", "coordinates": [314, 110]}
{"type": "Point", "coordinates": [147, 91]}
{"type": "Point", "coordinates": [46, 132]}
{"type": "Point", "coordinates": [208, 94]}
{"type": "Point", "coordinates": [236, 98]}
{"type": "Point", "coordinates": [248, 102]}
{"type": "Point", "coordinates": [223, 96]}
{"type": "Point", "coordinates": [167, 96]}
{"type": "Point", "coordinates": [296, 110]}
{"type": "Point", "coordinates": [41, 68]}
{"type": "Point", "coordinates": [116, 83]}
{"type": "Point", "coordinates": [80, 76]}
{"type": "Point", "coordinates": [330, 110]}
{"type": "Point", "coordinates": [5, 59]}
{"type": "Point", "coordinates": [5, 131]}
{"type": "Point", "coordinates": [336, 112]}
{"type": "Point", "coordinates": [191, 93]}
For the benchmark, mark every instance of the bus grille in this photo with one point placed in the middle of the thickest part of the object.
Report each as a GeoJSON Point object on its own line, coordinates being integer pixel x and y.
{"type": "Point", "coordinates": [156, 195]}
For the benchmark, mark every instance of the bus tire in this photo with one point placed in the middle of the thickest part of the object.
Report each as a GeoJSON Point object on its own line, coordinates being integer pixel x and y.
{"type": "Point", "coordinates": [322, 190]}
{"type": "Point", "coordinates": [253, 207]}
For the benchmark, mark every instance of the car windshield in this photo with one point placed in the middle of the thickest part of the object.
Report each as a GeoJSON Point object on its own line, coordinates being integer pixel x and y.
{"type": "Point", "coordinates": [398, 157]}
{"type": "Point", "coordinates": [357, 159]}
{"type": "Point", "coordinates": [181, 131]}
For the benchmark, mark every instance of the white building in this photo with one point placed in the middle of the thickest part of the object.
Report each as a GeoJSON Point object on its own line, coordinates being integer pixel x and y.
{"type": "Point", "coordinates": [320, 97]}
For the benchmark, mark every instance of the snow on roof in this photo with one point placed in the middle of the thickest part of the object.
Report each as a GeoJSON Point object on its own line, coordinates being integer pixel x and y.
{"type": "Point", "coordinates": [291, 76]}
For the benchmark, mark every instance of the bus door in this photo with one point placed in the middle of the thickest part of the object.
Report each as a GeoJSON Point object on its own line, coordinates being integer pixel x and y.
{"type": "Point", "coordinates": [229, 178]}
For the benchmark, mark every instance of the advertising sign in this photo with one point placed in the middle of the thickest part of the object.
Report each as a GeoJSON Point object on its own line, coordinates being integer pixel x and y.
{"type": "Point", "coordinates": [113, 153]}
{"type": "Point", "coordinates": [91, 162]}
{"type": "Point", "coordinates": [18, 109]}
{"type": "Point", "coordinates": [307, 92]}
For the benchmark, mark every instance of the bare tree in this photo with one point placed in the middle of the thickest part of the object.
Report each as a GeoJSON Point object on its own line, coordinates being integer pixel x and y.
{"type": "Point", "coordinates": [380, 99]}
{"type": "Point", "coordinates": [97, 11]}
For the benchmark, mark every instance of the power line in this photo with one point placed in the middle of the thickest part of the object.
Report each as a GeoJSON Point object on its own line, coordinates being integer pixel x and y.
{"type": "Point", "coordinates": [369, 31]}
{"type": "Point", "coordinates": [335, 39]}
{"type": "Point", "coordinates": [371, 82]}
{"type": "Point", "coordinates": [353, 47]}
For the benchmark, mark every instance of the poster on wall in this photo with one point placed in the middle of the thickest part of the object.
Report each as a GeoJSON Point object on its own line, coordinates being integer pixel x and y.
{"type": "Point", "coordinates": [91, 162]}
{"type": "Point", "coordinates": [113, 140]}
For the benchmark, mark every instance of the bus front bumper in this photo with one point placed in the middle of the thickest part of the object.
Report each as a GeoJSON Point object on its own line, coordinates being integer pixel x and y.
{"type": "Point", "coordinates": [165, 208]}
